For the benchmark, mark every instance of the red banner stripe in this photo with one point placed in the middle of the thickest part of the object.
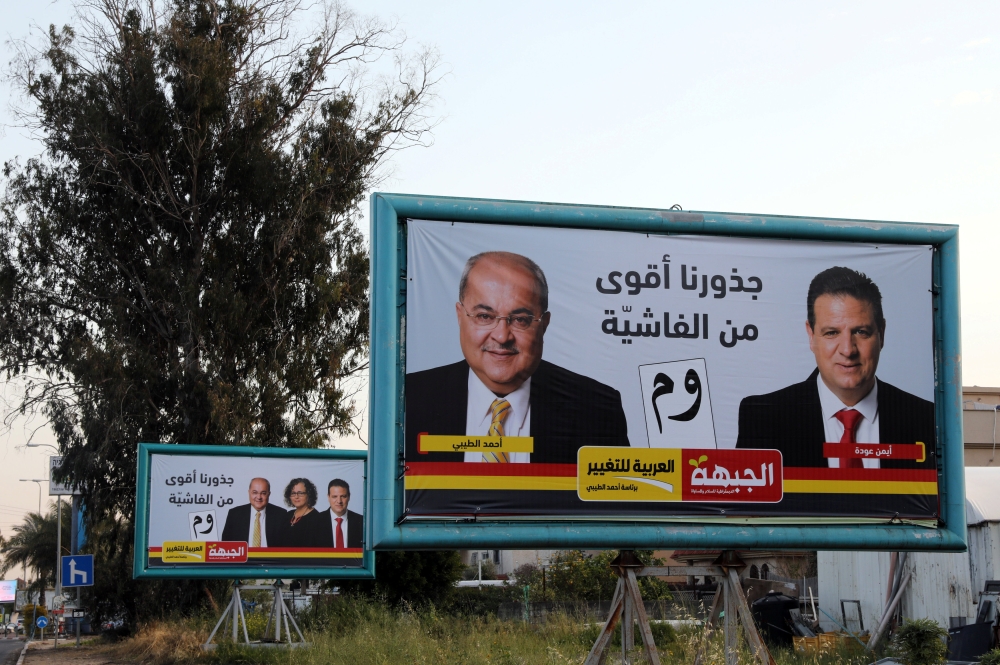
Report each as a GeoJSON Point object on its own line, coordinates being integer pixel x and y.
{"type": "Point", "coordinates": [882, 475]}
{"type": "Point", "coordinates": [294, 550]}
{"type": "Point", "coordinates": [482, 469]}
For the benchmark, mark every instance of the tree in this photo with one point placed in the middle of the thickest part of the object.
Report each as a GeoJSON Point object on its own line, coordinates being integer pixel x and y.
{"type": "Point", "coordinates": [417, 578]}
{"type": "Point", "coordinates": [183, 263]}
{"type": "Point", "coordinates": [576, 575]}
{"type": "Point", "coordinates": [34, 545]}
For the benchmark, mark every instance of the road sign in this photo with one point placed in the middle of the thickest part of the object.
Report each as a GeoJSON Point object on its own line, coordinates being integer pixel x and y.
{"type": "Point", "coordinates": [58, 489]}
{"type": "Point", "coordinates": [79, 614]}
{"type": "Point", "coordinates": [78, 570]}
{"type": "Point", "coordinates": [41, 622]}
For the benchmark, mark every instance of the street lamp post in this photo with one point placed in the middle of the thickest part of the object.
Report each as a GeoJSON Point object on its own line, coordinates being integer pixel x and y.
{"type": "Point", "coordinates": [55, 630]}
{"type": "Point", "coordinates": [58, 525]}
{"type": "Point", "coordinates": [39, 481]}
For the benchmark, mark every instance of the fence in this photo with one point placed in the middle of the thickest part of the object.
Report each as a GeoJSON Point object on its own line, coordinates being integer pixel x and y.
{"type": "Point", "coordinates": [684, 605]}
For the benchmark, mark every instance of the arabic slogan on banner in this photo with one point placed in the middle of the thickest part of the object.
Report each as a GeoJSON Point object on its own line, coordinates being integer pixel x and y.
{"type": "Point", "coordinates": [632, 375]}
{"type": "Point", "coordinates": [210, 510]}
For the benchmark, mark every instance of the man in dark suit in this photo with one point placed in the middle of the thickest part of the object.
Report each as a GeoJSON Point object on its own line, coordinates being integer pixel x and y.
{"type": "Point", "coordinates": [257, 523]}
{"type": "Point", "coordinates": [503, 387]}
{"type": "Point", "coordinates": [842, 401]}
{"type": "Point", "coordinates": [339, 527]}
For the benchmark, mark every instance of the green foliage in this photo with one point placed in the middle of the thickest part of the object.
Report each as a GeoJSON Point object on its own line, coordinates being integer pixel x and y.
{"type": "Point", "coordinates": [920, 642]}
{"type": "Point", "coordinates": [480, 601]}
{"type": "Point", "coordinates": [575, 575]}
{"type": "Point", "coordinates": [34, 545]}
{"type": "Point", "coordinates": [990, 658]}
{"type": "Point", "coordinates": [413, 578]}
{"type": "Point", "coordinates": [183, 262]}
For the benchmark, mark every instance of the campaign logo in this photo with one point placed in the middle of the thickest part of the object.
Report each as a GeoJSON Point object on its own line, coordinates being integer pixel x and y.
{"type": "Point", "coordinates": [203, 525]}
{"type": "Point", "coordinates": [745, 476]}
{"type": "Point", "coordinates": [226, 552]}
{"type": "Point", "coordinates": [677, 405]}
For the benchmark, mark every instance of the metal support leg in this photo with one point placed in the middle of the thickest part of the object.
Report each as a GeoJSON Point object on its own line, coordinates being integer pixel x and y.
{"type": "Point", "coordinates": [729, 624]}
{"type": "Point", "coordinates": [226, 615]}
{"type": "Point", "coordinates": [627, 627]}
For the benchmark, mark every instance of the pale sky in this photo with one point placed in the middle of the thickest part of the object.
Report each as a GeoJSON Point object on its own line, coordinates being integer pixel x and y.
{"type": "Point", "coordinates": [883, 111]}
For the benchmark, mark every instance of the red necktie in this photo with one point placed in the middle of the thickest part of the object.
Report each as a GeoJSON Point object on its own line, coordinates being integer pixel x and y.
{"type": "Point", "coordinates": [850, 419]}
{"type": "Point", "coordinates": [340, 534]}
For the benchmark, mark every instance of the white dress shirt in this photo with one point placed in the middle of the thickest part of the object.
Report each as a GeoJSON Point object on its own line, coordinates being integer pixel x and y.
{"type": "Point", "coordinates": [263, 527]}
{"type": "Point", "coordinates": [479, 415]}
{"type": "Point", "coordinates": [867, 429]}
{"type": "Point", "coordinates": [343, 527]}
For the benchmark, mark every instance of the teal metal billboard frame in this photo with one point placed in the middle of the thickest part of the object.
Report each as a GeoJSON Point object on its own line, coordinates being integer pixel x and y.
{"type": "Point", "coordinates": [389, 530]}
{"type": "Point", "coordinates": [139, 567]}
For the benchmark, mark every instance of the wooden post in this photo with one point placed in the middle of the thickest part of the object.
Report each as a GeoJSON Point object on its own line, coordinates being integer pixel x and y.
{"type": "Point", "coordinates": [729, 624]}
{"type": "Point", "coordinates": [627, 601]}
{"type": "Point", "coordinates": [628, 627]}
{"type": "Point", "coordinates": [596, 655]}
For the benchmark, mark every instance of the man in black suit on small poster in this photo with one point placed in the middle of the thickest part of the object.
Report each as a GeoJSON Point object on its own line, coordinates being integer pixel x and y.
{"type": "Point", "coordinates": [842, 401]}
{"type": "Point", "coordinates": [258, 523]}
{"type": "Point", "coordinates": [337, 526]}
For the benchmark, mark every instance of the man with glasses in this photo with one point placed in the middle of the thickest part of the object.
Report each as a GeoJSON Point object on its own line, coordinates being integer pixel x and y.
{"type": "Point", "coordinates": [258, 523]}
{"type": "Point", "coordinates": [503, 387]}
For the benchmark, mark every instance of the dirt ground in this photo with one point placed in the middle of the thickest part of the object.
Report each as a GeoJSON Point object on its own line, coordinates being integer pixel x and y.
{"type": "Point", "coordinates": [66, 654]}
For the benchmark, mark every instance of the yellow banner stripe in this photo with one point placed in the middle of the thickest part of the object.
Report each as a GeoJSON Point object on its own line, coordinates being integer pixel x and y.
{"type": "Point", "coordinates": [274, 555]}
{"type": "Point", "coordinates": [563, 483]}
{"type": "Point", "coordinates": [568, 483]}
{"type": "Point", "coordinates": [859, 487]}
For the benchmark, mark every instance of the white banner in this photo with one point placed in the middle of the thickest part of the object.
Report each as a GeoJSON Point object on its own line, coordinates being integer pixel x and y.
{"type": "Point", "coordinates": [713, 319]}
{"type": "Point", "coordinates": [192, 497]}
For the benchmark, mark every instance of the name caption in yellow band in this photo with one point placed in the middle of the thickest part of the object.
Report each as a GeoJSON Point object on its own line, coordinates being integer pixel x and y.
{"type": "Point", "coordinates": [446, 443]}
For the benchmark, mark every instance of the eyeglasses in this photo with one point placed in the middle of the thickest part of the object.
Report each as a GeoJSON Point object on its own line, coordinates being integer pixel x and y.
{"type": "Point", "coordinates": [487, 321]}
{"type": "Point", "coordinates": [299, 494]}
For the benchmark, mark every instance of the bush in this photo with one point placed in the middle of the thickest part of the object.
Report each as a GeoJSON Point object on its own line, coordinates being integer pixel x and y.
{"type": "Point", "coordinates": [921, 642]}
{"type": "Point", "coordinates": [990, 658]}
{"type": "Point", "coordinates": [480, 601]}
{"type": "Point", "coordinates": [575, 575]}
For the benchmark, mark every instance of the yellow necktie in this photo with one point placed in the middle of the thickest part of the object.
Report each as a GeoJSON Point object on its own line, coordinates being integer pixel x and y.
{"type": "Point", "coordinates": [500, 410]}
{"type": "Point", "coordinates": [255, 541]}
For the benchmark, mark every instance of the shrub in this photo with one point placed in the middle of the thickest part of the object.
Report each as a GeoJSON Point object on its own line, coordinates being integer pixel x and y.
{"type": "Point", "coordinates": [921, 642]}
{"type": "Point", "coordinates": [990, 658]}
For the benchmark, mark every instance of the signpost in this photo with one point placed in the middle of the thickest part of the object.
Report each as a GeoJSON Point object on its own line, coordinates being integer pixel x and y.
{"type": "Point", "coordinates": [41, 622]}
{"type": "Point", "coordinates": [78, 570]}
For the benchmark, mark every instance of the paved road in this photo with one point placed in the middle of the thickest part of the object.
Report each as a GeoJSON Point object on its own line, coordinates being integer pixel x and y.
{"type": "Point", "coordinates": [9, 647]}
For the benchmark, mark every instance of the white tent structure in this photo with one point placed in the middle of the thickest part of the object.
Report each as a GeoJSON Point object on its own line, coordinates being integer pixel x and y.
{"type": "Point", "coordinates": [943, 587]}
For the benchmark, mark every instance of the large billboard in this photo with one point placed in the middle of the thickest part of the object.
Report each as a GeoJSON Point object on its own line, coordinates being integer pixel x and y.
{"type": "Point", "coordinates": [213, 511]}
{"type": "Point", "coordinates": [561, 365]}
{"type": "Point", "coordinates": [8, 591]}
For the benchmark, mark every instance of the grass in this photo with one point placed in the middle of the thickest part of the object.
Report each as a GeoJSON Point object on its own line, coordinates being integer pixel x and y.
{"type": "Point", "coordinates": [358, 632]}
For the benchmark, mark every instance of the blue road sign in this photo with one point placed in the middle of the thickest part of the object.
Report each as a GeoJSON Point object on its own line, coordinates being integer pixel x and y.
{"type": "Point", "coordinates": [41, 622]}
{"type": "Point", "coordinates": [78, 570]}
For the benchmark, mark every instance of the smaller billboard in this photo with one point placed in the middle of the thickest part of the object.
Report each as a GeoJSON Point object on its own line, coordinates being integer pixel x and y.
{"type": "Point", "coordinates": [8, 591]}
{"type": "Point", "coordinates": [215, 511]}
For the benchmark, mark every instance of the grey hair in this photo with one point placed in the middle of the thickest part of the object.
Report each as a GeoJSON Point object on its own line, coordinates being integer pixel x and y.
{"type": "Point", "coordinates": [510, 257]}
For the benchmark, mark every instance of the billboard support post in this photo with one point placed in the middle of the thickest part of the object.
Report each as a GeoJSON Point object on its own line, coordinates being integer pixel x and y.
{"type": "Point", "coordinates": [280, 614]}
{"type": "Point", "coordinates": [627, 606]}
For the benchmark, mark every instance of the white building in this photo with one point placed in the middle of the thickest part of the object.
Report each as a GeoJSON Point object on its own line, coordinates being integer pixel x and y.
{"type": "Point", "coordinates": [943, 587]}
